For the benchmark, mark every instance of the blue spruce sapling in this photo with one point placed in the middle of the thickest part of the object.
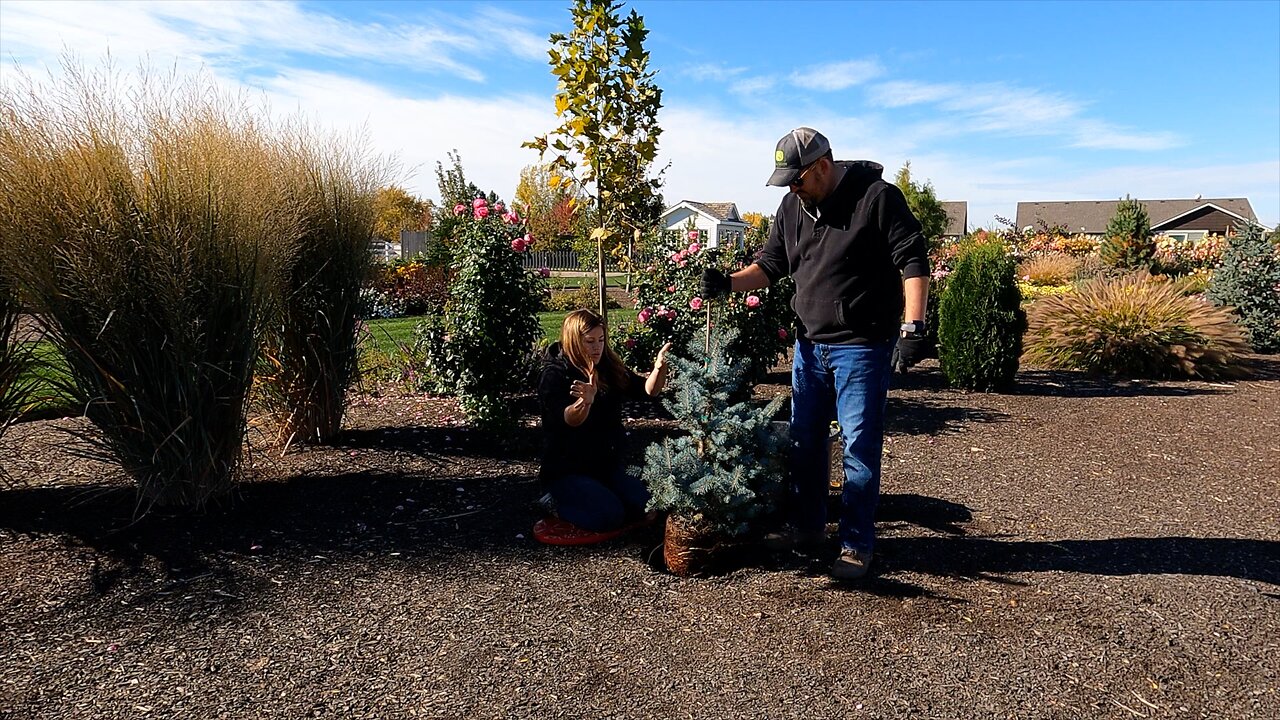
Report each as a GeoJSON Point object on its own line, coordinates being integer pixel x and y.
{"type": "Point", "coordinates": [727, 468]}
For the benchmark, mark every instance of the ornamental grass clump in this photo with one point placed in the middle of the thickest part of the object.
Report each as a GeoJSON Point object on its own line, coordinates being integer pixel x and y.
{"type": "Point", "coordinates": [1049, 270]}
{"type": "Point", "coordinates": [980, 320]}
{"type": "Point", "coordinates": [1134, 327]}
{"type": "Point", "coordinates": [1248, 280]}
{"type": "Point", "coordinates": [139, 224]}
{"type": "Point", "coordinates": [17, 357]}
{"type": "Point", "coordinates": [309, 355]}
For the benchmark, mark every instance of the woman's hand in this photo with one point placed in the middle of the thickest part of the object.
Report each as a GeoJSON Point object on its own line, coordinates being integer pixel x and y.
{"type": "Point", "coordinates": [658, 377]}
{"type": "Point", "coordinates": [660, 362]}
{"type": "Point", "coordinates": [584, 391]}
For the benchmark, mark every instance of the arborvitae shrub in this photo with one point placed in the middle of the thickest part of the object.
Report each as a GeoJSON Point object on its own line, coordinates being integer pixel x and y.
{"type": "Point", "coordinates": [980, 319]}
{"type": "Point", "coordinates": [1249, 281]}
{"type": "Point", "coordinates": [1128, 244]}
{"type": "Point", "coordinates": [1134, 327]}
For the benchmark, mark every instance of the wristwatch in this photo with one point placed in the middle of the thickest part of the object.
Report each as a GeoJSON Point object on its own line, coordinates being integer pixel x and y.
{"type": "Point", "coordinates": [915, 328]}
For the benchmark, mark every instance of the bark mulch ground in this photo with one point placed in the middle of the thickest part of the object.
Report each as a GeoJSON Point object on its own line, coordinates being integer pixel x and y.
{"type": "Point", "coordinates": [1071, 549]}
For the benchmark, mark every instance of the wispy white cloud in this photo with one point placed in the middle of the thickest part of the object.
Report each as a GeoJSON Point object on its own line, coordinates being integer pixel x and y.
{"type": "Point", "coordinates": [837, 76]}
{"type": "Point", "coordinates": [1005, 108]}
{"type": "Point", "coordinates": [717, 72]}
{"type": "Point", "coordinates": [487, 131]}
{"type": "Point", "coordinates": [242, 33]}
{"type": "Point", "coordinates": [754, 85]}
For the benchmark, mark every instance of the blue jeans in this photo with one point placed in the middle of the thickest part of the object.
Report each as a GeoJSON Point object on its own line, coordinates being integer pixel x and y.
{"type": "Point", "coordinates": [848, 383]}
{"type": "Point", "coordinates": [597, 506]}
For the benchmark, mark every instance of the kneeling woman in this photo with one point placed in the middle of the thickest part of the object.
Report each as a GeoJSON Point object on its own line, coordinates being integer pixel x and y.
{"type": "Point", "coordinates": [582, 388]}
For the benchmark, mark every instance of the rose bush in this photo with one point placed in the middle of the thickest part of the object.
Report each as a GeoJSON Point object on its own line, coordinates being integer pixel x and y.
{"type": "Point", "coordinates": [672, 310]}
{"type": "Point", "coordinates": [480, 348]}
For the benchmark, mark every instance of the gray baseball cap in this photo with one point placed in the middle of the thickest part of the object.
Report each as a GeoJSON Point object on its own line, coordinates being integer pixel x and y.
{"type": "Point", "coordinates": [796, 150]}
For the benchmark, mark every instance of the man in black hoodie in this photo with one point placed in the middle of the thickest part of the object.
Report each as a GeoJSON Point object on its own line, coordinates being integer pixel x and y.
{"type": "Point", "coordinates": [853, 247]}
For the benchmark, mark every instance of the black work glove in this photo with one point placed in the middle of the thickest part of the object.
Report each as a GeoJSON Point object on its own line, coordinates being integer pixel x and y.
{"type": "Point", "coordinates": [714, 284]}
{"type": "Point", "coordinates": [912, 347]}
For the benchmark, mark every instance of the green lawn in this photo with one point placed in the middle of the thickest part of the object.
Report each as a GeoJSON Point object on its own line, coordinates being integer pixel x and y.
{"type": "Point", "coordinates": [387, 333]}
{"type": "Point", "coordinates": [382, 352]}
{"type": "Point", "coordinates": [560, 282]}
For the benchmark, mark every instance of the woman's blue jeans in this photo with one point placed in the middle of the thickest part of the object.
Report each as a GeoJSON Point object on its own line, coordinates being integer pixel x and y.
{"type": "Point", "coordinates": [848, 383]}
{"type": "Point", "coordinates": [597, 506]}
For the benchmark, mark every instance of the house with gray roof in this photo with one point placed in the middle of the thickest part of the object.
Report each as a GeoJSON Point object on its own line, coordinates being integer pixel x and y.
{"type": "Point", "coordinates": [718, 222]}
{"type": "Point", "coordinates": [1189, 219]}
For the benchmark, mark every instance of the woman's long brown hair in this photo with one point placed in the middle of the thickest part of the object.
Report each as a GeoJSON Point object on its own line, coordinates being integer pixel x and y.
{"type": "Point", "coordinates": [610, 371]}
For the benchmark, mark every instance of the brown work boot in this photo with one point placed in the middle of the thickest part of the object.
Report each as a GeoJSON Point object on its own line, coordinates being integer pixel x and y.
{"type": "Point", "coordinates": [851, 565]}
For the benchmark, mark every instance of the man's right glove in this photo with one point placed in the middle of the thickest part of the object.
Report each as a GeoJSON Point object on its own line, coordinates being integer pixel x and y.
{"type": "Point", "coordinates": [715, 284]}
{"type": "Point", "coordinates": [912, 347]}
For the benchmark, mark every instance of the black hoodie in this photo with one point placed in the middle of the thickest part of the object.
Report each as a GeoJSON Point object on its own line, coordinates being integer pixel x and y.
{"type": "Point", "coordinates": [848, 261]}
{"type": "Point", "coordinates": [597, 447]}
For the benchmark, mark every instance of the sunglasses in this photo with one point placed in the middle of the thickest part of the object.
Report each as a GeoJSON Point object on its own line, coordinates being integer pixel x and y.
{"type": "Point", "coordinates": [799, 181]}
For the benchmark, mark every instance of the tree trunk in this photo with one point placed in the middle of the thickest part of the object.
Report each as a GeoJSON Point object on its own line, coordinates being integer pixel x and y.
{"type": "Point", "coordinates": [600, 277]}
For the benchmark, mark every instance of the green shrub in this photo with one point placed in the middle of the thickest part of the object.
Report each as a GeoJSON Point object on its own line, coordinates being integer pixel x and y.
{"type": "Point", "coordinates": [980, 319]}
{"type": "Point", "coordinates": [480, 348]}
{"type": "Point", "coordinates": [140, 227]}
{"type": "Point", "coordinates": [670, 309]}
{"type": "Point", "coordinates": [1134, 327]}
{"type": "Point", "coordinates": [1128, 244]}
{"type": "Point", "coordinates": [310, 354]}
{"type": "Point", "coordinates": [1248, 280]}
{"type": "Point", "coordinates": [409, 287]}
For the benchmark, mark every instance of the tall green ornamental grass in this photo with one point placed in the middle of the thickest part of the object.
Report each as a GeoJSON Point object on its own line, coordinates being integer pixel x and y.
{"type": "Point", "coordinates": [310, 349]}
{"type": "Point", "coordinates": [141, 224]}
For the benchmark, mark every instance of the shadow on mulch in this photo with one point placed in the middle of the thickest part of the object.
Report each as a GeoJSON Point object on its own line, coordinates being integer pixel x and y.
{"type": "Point", "coordinates": [1062, 383]}
{"type": "Point", "coordinates": [909, 416]}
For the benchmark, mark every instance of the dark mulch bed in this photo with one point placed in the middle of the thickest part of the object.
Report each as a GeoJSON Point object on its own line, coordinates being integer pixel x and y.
{"type": "Point", "coordinates": [1073, 548]}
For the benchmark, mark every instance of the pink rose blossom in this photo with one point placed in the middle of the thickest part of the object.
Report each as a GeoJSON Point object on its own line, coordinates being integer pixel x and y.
{"type": "Point", "coordinates": [694, 248]}
{"type": "Point", "coordinates": [675, 257]}
{"type": "Point", "coordinates": [499, 207]}
{"type": "Point", "coordinates": [671, 288]}
{"type": "Point", "coordinates": [479, 203]}
{"type": "Point", "coordinates": [517, 245]}
{"type": "Point", "coordinates": [459, 209]}
{"type": "Point", "coordinates": [482, 212]}
{"type": "Point", "coordinates": [696, 303]}
{"type": "Point", "coordinates": [644, 315]}
{"type": "Point", "coordinates": [753, 301]}
{"type": "Point", "coordinates": [544, 272]}
{"type": "Point", "coordinates": [693, 235]}
{"type": "Point", "coordinates": [782, 333]}
{"type": "Point", "coordinates": [528, 239]}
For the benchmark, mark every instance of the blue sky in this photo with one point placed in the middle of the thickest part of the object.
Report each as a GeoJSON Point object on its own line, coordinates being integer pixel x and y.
{"type": "Point", "coordinates": [994, 103]}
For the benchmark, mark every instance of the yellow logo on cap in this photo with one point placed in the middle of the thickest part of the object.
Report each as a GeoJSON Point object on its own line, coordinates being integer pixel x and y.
{"type": "Point", "coordinates": [779, 157]}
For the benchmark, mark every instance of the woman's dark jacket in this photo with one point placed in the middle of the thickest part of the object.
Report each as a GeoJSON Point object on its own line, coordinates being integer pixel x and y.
{"type": "Point", "coordinates": [596, 447]}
